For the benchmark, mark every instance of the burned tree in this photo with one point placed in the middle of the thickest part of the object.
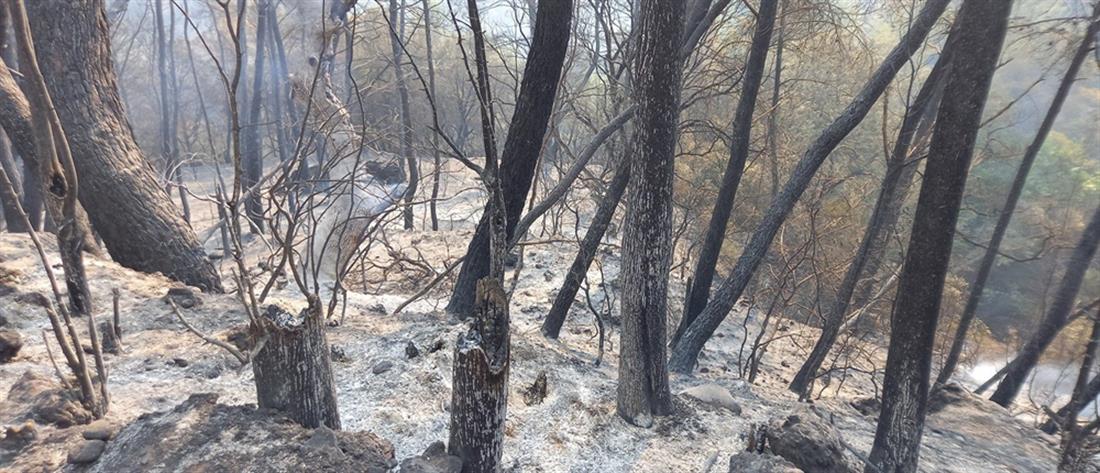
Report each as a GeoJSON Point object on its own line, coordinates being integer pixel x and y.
{"type": "Point", "coordinates": [520, 156]}
{"type": "Point", "coordinates": [643, 390]}
{"type": "Point", "coordinates": [140, 226]}
{"type": "Point", "coordinates": [985, 267]}
{"type": "Point", "coordinates": [739, 149]}
{"type": "Point", "coordinates": [1055, 319]}
{"type": "Point", "coordinates": [397, 26]}
{"type": "Point", "coordinates": [976, 46]}
{"type": "Point", "coordinates": [686, 350]}
{"type": "Point", "coordinates": [900, 169]}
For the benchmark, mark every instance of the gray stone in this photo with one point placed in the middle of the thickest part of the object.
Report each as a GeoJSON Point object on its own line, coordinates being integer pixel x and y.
{"type": "Point", "coordinates": [411, 351]}
{"type": "Point", "coordinates": [714, 395]}
{"type": "Point", "coordinates": [100, 430]}
{"type": "Point", "coordinates": [382, 367]}
{"type": "Point", "coordinates": [323, 437]}
{"type": "Point", "coordinates": [87, 452]}
{"type": "Point", "coordinates": [184, 297]}
{"type": "Point", "coordinates": [749, 462]}
{"type": "Point", "coordinates": [810, 443]}
{"type": "Point", "coordinates": [434, 460]}
{"type": "Point", "coordinates": [10, 344]}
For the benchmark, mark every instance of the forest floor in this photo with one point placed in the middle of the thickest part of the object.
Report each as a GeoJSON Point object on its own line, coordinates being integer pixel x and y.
{"type": "Point", "coordinates": [574, 429]}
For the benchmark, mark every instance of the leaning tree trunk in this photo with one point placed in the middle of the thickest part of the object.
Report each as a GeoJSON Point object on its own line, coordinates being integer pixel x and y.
{"type": "Point", "coordinates": [895, 184]}
{"type": "Point", "coordinates": [1078, 264]}
{"type": "Point", "coordinates": [293, 370]}
{"type": "Point", "coordinates": [520, 156]}
{"type": "Point", "coordinates": [686, 351]}
{"type": "Point", "coordinates": [1014, 192]}
{"type": "Point", "coordinates": [136, 219]}
{"type": "Point", "coordinates": [17, 121]}
{"type": "Point", "coordinates": [551, 326]}
{"type": "Point", "coordinates": [975, 45]}
{"type": "Point", "coordinates": [739, 149]}
{"type": "Point", "coordinates": [643, 391]}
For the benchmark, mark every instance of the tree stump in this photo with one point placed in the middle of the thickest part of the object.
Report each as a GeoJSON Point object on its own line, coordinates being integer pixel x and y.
{"type": "Point", "coordinates": [292, 366]}
{"type": "Point", "coordinates": [479, 399]}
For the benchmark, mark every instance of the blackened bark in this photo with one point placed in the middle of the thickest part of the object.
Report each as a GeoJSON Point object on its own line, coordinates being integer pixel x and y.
{"type": "Point", "coordinates": [985, 267]}
{"type": "Point", "coordinates": [479, 393]}
{"type": "Point", "coordinates": [251, 146]}
{"type": "Point", "coordinates": [773, 113]}
{"type": "Point", "coordinates": [396, 26]}
{"type": "Point", "coordinates": [976, 46]}
{"type": "Point", "coordinates": [1055, 318]}
{"type": "Point", "coordinates": [436, 158]}
{"type": "Point", "coordinates": [643, 390]}
{"type": "Point", "coordinates": [136, 219]}
{"type": "Point", "coordinates": [551, 326]}
{"type": "Point", "coordinates": [1084, 389]}
{"type": "Point", "coordinates": [895, 184]}
{"type": "Point", "coordinates": [293, 369]}
{"type": "Point", "coordinates": [686, 351]}
{"type": "Point", "coordinates": [739, 150]}
{"type": "Point", "coordinates": [525, 135]}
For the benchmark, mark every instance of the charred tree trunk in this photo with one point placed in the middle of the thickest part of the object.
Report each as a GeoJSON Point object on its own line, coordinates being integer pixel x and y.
{"type": "Point", "coordinates": [1055, 319]}
{"type": "Point", "coordinates": [292, 368]}
{"type": "Point", "coordinates": [169, 105]}
{"type": "Point", "coordinates": [643, 391]}
{"type": "Point", "coordinates": [140, 226]}
{"type": "Point", "coordinates": [251, 144]}
{"type": "Point", "coordinates": [739, 149]}
{"type": "Point", "coordinates": [687, 350]}
{"type": "Point", "coordinates": [895, 184]}
{"type": "Point", "coordinates": [525, 135]}
{"type": "Point", "coordinates": [976, 46]}
{"type": "Point", "coordinates": [397, 14]}
{"type": "Point", "coordinates": [479, 395]}
{"type": "Point", "coordinates": [1084, 389]}
{"type": "Point", "coordinates": [985, 267]}
{"type": "Point", "coordinates": [773, 112]}
{"type": "Point", "coordinates": [551, 326]}
{"type": "Point", "coordinates": [436, 158]}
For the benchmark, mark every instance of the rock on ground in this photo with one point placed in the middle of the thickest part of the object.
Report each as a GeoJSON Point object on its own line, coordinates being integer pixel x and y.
{"type": "Point", "coordinates": [10, 344]}
{"type": "Point", "coordinates": [810, 443]}
{"type": "Point", "coordinates": [202, 435]}
{"type": "Point", "coordinates": [714, 395]}
{"type": "Point", "coordinates": [42, 399]}
{"type": "Point", "coordinates": [434, 460]}
{"type": "Point", "coordinates": [87, 452]}
{"type": "Point", "coordinates": [749, 462]}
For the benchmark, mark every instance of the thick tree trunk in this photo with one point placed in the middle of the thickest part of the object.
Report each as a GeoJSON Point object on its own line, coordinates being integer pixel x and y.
{"type": "Point", "coordinates": [525, 135]}
{"type": "Point", "coordinates": [741, 129]}
{"type": "Point", "coordinates": [643, 391]}
{"type": "Point", "coordinates": [397, 14]}
{"type": "Point", "coordinates": [551, 326]}
{"type": "Point", "coordinates": [137, 220]}
{"type": "Point", "coordinates": [292, 369]}
{"type": "Point", "coordinates": [985, 267]}
{"type": "Point", "coordinates": [895, 184]}
{"type": "Point", "coordinates": [976, 46]}
{"type": "Point", "coordinates": [479, 394]}
{"type": "Point", "coordinates": [687, 350]}
{"type": "Point", "coordinates": [1055, 318]}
